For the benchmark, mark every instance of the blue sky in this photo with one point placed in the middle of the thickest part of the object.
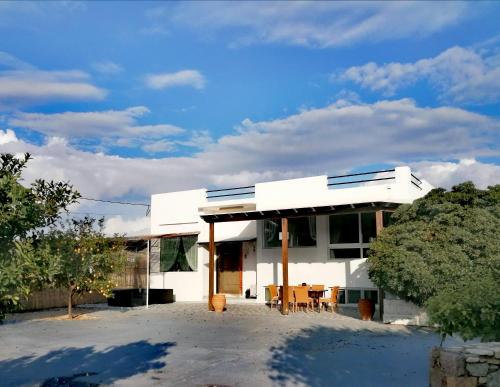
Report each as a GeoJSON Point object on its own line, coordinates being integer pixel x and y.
{"type": "Point", "coordinates": [126, 99]}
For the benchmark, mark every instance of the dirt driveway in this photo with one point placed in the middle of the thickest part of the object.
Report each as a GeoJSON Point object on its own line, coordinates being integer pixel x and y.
{"type": "Point", "coordinates": [184, 345]}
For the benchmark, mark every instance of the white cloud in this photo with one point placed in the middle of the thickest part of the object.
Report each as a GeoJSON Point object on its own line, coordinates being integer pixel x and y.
{"type": "Point", "coordinates": [7, 136]}
{"type": "Point", "coordinates": [459, 74]}
{"type": "Point", "coordinates": [118, 125]}
{"type": "Point", "coordinates": [313, 24]}
{"type": "Point", "coordinates": [447, 174]}
{"type": "Point", "coordinates": [329, 140]}
{"type": "Point", "coordinates": [22, 84]}
{"type": "Point", "coordinates": [107, 67]}
{"type": "Point", "coordinates": [192, 78]}
{"type": "Point", "coordinates": [120, 225]}
{"type": "Point", "coordinates": [324, 140]}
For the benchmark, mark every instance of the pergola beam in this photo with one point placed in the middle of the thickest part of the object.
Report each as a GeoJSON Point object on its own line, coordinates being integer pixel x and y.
{"type": "Point", "coordinates": [297, 212]}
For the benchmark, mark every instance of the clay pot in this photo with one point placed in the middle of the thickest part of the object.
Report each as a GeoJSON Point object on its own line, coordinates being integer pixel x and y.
{"type": "Point", "coordinates": [219, 302]}
{"type": "Point", "coordinates": [366, 309]}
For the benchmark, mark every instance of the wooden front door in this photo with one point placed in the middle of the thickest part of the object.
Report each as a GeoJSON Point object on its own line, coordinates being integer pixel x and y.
{"type": "Point", "coordinates": [229, 268]}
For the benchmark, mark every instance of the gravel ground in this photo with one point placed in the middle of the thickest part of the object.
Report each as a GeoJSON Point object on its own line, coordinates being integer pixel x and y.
{"type": "Point", "coordinates": [182, 344]}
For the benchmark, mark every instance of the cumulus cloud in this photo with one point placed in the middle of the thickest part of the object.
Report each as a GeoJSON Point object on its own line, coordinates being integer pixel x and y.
{"type": "Point", "coordinates": [22, 84]}
{"type": "Point", "coordinates": [328, 140]}
{"type": "Point", "coordinates": [312, 24]}
{"type": "Point", "coordinates": [192, 78]}
{"type": "Point", "coordinates": [459, 74]}
{"type": "Point", "coordinates": [120, 225]}
{"type": "Point", "coordinates": [119, 126]}
{"type": "Point", "coordinates": [7, 136]}
{"type": "Point", "coordinates": [324, 140]}
{"type": "Point", "coordinates": [447, 174]}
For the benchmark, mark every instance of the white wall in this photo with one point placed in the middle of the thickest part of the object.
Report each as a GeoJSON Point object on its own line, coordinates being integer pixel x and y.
{"type": "Point", "coordinates": [309, 264]}
{"type": "Point", "coordinates": [314, 191]}
{"type": "Point", "coordinates": [249, 265]}
{"type": "Point", "coordinates": [176, 212]}
{"type": "Point", "coordinates": [179, 212]}
{"type": "Point", "coordinates": [187, 286]}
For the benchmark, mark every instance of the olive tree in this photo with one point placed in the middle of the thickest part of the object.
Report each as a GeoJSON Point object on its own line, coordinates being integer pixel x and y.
{"type": "Point", "coordinates": [443, 253]}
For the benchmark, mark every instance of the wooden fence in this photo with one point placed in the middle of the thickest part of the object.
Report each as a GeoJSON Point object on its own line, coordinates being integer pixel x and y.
{"type": "Point", "coordinates": [133, 276]}
{"type": "Point", "coordinates": [57, 298]}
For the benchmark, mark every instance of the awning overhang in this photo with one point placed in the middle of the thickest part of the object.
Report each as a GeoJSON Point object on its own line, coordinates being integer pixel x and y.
{"type": "Point", "coordinates": [298, 212]}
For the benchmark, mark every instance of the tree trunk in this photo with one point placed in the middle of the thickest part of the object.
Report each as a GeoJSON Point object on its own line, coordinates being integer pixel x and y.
{"type": "Point", "coordinates": [70, 301]}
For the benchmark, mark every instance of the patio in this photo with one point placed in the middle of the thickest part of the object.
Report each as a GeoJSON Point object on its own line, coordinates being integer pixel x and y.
{"type": "Point", "coordinates": [184, 344]}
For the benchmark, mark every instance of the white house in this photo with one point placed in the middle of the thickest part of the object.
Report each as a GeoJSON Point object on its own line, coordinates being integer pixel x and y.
{"type": "Point", "coordinates": [331, 221]}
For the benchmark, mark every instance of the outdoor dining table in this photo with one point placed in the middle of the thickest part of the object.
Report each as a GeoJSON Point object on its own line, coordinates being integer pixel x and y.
{"type": "Point", "coordinates": [314, 294]}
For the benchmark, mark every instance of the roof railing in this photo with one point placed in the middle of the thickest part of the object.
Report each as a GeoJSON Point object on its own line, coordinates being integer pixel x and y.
{"type": "Point", "coordinates": [228, 192]}
{"type": "Point", "coordinates": [337, 180]}
{"type": "Point", "coordinates": [352, 177]}
{"type": "Point", "coordinates": [416, 181]}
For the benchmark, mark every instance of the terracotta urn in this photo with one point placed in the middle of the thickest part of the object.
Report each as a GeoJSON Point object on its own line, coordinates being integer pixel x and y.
{"type": "Point", "coordinates": [219, 302]}
{"type": "Point", "coordinates": [366, 309]}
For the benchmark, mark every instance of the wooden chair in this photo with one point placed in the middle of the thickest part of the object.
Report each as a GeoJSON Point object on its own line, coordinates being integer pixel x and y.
{"type": "Point", "coordinates": [333, 299]}
{"type": "Point", "coordinates": [302, 297]}
{"type": "Point", "coordinates": [320, 292]}
{"type": "Point", "coordinates": [317, 288]}
{"type": "Point", "coordinates": [273, 294]}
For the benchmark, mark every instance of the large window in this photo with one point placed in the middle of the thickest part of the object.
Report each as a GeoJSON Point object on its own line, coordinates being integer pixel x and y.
{"type": "Point", "coordinates": [301, 232]}
{"type": "Point", "coordinates": [179, 254]}
{"type": "Point", "coordinates": [350, 234]}
{"type": "Point", "coordinates": [353, 295]}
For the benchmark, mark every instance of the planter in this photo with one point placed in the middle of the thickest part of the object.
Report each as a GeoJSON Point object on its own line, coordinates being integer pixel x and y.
{"type": "Point", "coordinates": [219, 302]}
{"type": "Point", "coordinates": [366, 309]}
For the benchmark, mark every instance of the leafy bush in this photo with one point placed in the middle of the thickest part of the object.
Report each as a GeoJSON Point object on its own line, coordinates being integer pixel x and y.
{"type": "Point", "coordinates": [440, 252]}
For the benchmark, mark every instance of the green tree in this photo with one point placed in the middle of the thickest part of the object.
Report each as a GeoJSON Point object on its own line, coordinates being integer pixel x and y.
{"type": "Point", "coordinates": [25, 210]}
{"type": "Point", "coordinates": [443, 252]}
{"type": "Point", "coordinates": [85, 258]}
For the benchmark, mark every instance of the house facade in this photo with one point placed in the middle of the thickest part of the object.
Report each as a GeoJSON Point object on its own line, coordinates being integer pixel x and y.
{"type": "Point", "coordinates": [331, 221]}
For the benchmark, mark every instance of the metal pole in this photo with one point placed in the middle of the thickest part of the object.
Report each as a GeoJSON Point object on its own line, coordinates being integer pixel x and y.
{"type": "Point", "coordinates": [211, 264]}
{"type": "Point", "coordinates": [147, 279]}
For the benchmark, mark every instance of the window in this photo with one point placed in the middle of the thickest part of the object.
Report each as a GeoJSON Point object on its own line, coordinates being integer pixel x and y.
{"type": "Point", "coordinates": [368, 226]}
{"type": "Point", "coordinates": [344, 253]}
{"type": "Point", "coordinates": [387, 218]}
{"type": "Point", "coordinates": [179, 254]}
{"type": "Point", "coordinates": [353, 295]}
{"type": "Point", "coordinates": [301, 232]}
{"type": "Point", "coordinates": [344, 229]}
{"type": "Point", "coordinates": [350, 234]}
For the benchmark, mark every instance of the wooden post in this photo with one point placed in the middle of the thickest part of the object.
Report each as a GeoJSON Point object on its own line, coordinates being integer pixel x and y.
{"type": "Point", "coordinates": [211, 264]}
{"type": "Point", "coordinates": [379, 221]}
{"type": "Point", "coordinates": [379, 225]}
{"type": "Point", "coordinates": [284, 262]}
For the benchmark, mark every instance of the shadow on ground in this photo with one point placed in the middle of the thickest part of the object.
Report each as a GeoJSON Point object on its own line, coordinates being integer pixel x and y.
{"type": "Point", "coordinates": [324, 356]}
{"type": "Point", "coordinates": [84, 366]}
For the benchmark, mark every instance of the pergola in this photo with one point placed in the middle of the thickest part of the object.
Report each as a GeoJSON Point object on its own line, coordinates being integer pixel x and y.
{"type": "Point", "coordinates": [284, 215]}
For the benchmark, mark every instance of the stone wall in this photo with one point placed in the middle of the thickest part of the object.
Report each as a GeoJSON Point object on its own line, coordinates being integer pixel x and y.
{"type": "Point", "coordinates": [467, 366]}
